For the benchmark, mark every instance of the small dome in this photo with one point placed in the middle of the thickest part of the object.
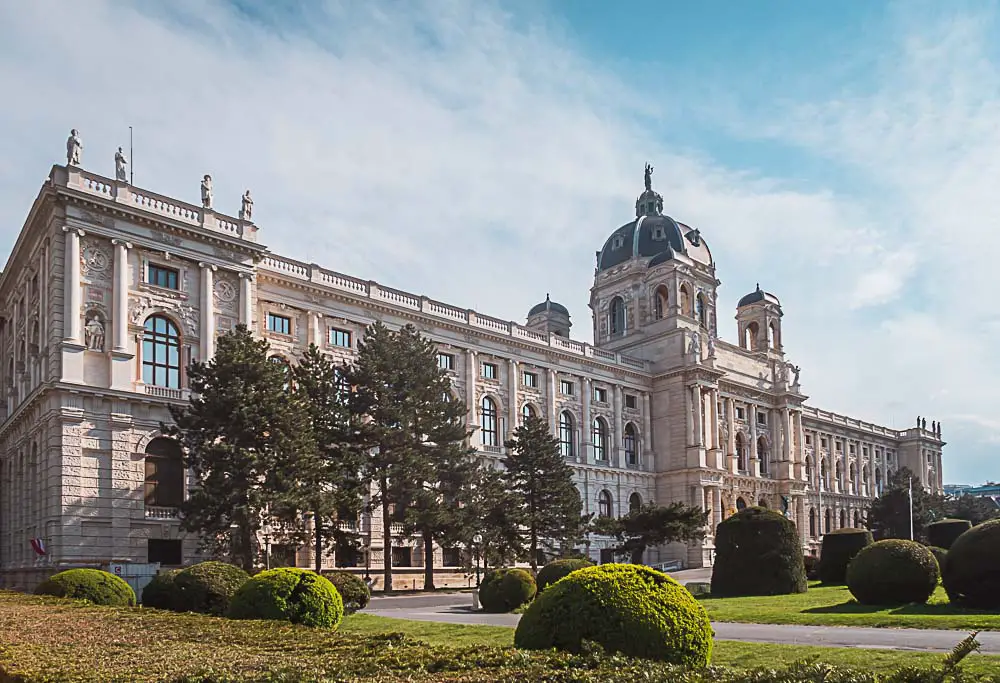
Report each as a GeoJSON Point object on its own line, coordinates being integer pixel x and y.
{"type": "Point", "coordinates": [757, 295]}
{"type": "Point", "coordinates": [548, 305]}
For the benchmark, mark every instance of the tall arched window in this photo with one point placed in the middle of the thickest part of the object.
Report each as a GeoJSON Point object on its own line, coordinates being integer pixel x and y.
{"type": "Point", "coordinates": [854, 478]}
{"type": "Point", "coordinates": [567, 444]}
{"type": "Point", "coordinates": [826, 522]}
{"type": "Point", "coordinates": [812, 522]}
{"type": "Point", "coordinates": [701, 310]}
{"type": "Point", "coordinates": [685, 301]}
{"type": "Point", "coordinates": [631, 445]}
{"type": "Point", "coordinates": [660, 302]}
{"type": "Point", "coordinates": [616, 317]}
{"type": "Point", "coordinates": [488, 429]}
{"type": "Point", "coordinates": [763, 456]}
{"type": "Point", "coordinates": [634, 502]}
{"type": "Point", "coordinates": [809, 469]}
{"type": "Point", "coordinates": [164, 482]}
{"type": "Point", "coordinates": [604, 504]}
{"type": "Point", "coordinates": [750, 337]}
{"type": "Point", "coordinates": [824, 475]}
{"type": "Point", "coordinates": [161, 353]}
{"type": "Point", "coordinates": [843, 518]}
{"type": "Point", "coordinates": [774, 336]}
{"type": "Point", "coordinates": [527, 411]}
{"type": "Point", "coordinates": [600, 439]}
{"type": "Point", "coordinates": [741, 453]}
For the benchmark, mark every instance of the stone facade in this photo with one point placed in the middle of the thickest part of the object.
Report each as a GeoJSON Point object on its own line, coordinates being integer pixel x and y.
{"type": "Point", "coordinates": [111, 290]}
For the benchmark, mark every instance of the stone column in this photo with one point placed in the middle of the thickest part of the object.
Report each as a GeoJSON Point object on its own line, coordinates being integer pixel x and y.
{"type": "Point", "coordinates": [512, 379]}
{"type": "Point", "coordinates": [587, 454]}
{"type": "Point", "coordinates": [801, 518]}
{"type": "Point", "coordinates": [73, 295]}
{"type": "Point", "coordinates": [471, 375]}
{"type": "Point", "coordinates": [752, 462]}
{"type": "Point", "coordinates": [690, 412]}
{"type": "Point", "coordinates": [709, 507]}
{"type": "Point", "coordinates": [786, 437]}
{"type": "Point", "coordinates": [617, 438]}
{"type": "Point", "coordinates": [207, 311]}
{"type": "Point", "coordinates": [646, 442]}
{"type": "Point", "coordinates": [717, 509]}
{"type": "Point", "coordinates": [120, 296]}
{"type": "Point", "coordinates": [800, 444]}
{"type": "Point", "coordinates": [246, 295]}
{"type": "Point", "coordinates": [553, 412]}
{"type": "Point", "coordinates": [731, 445]}
{"type": "Point", "coordinates": [316, 329]}
{"type": "Point", "coordinates": [699, 415]}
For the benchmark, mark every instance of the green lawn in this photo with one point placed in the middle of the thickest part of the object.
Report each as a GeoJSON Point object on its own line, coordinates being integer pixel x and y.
{"type": "Point", "coordinates": [834, 606]}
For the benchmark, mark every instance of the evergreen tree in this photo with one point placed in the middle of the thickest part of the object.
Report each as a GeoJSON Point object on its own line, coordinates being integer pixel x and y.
{"type": "Point", "coordinates": [889, 516]}
{"type": "Point", "coordinates": [976, 509]}
{"type": "Point", "coordinates": [497, 515]}
{"type": "Point", "coordinates": [239, 431]}
{"type": "Point", "coordinates": [652, 525]}
{"type": "Point", "coordinates": [538, 473]}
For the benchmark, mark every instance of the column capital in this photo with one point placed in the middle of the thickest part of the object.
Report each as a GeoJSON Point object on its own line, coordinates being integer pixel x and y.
{"type": "Point", "coordinates": [121, 243]}
{"type": "Point", "coordinates": [79, 231]}
{"type": "Point", "coordinates": [204, 265]}
{"type": "Point", "coordinates": [245, 276]}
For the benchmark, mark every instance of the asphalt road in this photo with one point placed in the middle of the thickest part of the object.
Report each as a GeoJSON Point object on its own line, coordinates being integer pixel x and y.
{"type": "Point", "coordinates": [456, 608]}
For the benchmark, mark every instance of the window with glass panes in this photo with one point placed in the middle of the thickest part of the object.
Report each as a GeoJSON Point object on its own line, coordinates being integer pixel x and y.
{"type": "Point", "coordinates": [340, 338]}
{"type": "Point", "coordinates": [446, 361]}
{"type": "Point", "coordinates": [489, 429]}
{"type": "Point", "coordinates": [161, 276]}
{"type": "Point", "coordinates": [567, 445]}
{"type": "Point", "coordinates": [161, 353]}
{"type": "Point", "coordinates": [279, 323]}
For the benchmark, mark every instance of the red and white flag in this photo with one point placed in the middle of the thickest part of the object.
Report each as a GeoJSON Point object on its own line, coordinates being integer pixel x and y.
{"type": "Point", "coordinates": [38, 545]}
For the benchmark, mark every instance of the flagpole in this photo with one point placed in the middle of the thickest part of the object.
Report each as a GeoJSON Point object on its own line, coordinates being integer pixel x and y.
{"type": "Point", "coordinates": [131, 156]}
{"type": "Point", "coordinates": [910, 491]}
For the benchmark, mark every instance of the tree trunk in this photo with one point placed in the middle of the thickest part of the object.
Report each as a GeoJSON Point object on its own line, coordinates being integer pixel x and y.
{"type": "Point", "coordinates": [244, 551]}
{"type": "Point", "coordinates": [534, 550]}
{"type": "Point", "coordinates": [386, 542]}
{"type": "Point", "coordinates": [428, 562]}
{"type": "Point", "coordinates": [319, 543]}
{"type": "Point", "coordinates": [637, 554]}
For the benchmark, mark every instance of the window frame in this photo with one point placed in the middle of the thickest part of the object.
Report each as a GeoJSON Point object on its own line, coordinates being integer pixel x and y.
{"type": "Point", "coordinates": [493, 372]}
{"type": "Point", "coordinates": [167, 342]}
{"type": "Point", "coordinates": [564, 384]}
{"type": "Point", "coordinates": [158, 268]}
{"type": "Point", "coordinates": [272, 316]}
{"type": "Point", "coordinates": [445, 361]}
{"type": "Point", "coordinates": [601, 436]}
{"type": "Point", "coordinates": [489, 423]}
{"type": "Point", "coordinates": [600, 395]}
{"type": "Point", "coordinates": [532, 383]}
{"type": "Point", "coordinates": [631, 401]}
{"type": "Point", "coordinates": [567, 440]}
{"type": "Point", "coordinates": [630, 438]}
{"type": "Point", "coordinates": [337, 334]}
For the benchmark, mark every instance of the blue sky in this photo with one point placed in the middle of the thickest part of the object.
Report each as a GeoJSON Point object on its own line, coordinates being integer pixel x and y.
{"type": "Point", "coordinates": [845, 155]}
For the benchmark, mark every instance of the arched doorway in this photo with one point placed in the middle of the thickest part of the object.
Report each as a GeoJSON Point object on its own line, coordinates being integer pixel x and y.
{"type": "Point", "coordinates": [740, 504]}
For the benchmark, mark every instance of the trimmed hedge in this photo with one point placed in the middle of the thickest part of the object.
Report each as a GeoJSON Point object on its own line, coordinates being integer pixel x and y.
{"type": "Point", "coordinates": [944, 532]}
{"type": "Point", "coordinates": [557, 569]}
{"type": "Point", "coordinates": [207, 587]}
{"type": "Point", "coordinates": [93, 585]}
{"type": "Point", "coordinates": [757, 552]}
{"type": "Point", "coordinates": [811, 563]}
{"type": "Point", "coordinates": [300, 596]}
{"type": "Point", "coordinates": [159, 592]}
{"type": "Point", "coordinates": [353, 590]}
{"type": "Point", "coordinates": [893, 572]}
{"type": "Point", "coordinates": [504, 590]}
{"type": "Point", "coordinates": [839, 548]}
{"type": "Point", "coordinates": [625, 608]}
{"type": "Point", "coordinates": [939, 554]}
{"type": "Point", "coordinates": [972, 568]}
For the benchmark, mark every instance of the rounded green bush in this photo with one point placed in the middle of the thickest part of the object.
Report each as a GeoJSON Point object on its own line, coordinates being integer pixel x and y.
{"type": "Point", "coordinates": [353, 591]}
{"type": "Point", "coordinates": [811, 563]}
{"type": "Point", "coordinates": [757, 552]}
{"type": "Point", "coordinates": [92, 585]}
{"type": "Point", "coordinates": [944, 532]}
{"type": "Point", "coordinates": [300, 596]}
{"type": "Point", "coordinates": [939, 554]}
{"type": "Point", "coordinates": [626, 608]}
{"type": "Point", "coordinates": [839, 548]}
{"type": "Point", "coordinates": [972, 567]}
{"type": "Point", "coordinates": [159, 592]}
{"type": "Point", "coordinates": [504, 590]}
{"type": "Point", "coordinates": [893, 572]}
{"type": "Point", "coordinates": [207, 587]}
{"type": "Point", "coordinates": [557, 569]}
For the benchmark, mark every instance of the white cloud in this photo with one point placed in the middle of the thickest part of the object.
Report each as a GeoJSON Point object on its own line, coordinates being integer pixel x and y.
{"type": "Point", "coordinates": [449, 149]}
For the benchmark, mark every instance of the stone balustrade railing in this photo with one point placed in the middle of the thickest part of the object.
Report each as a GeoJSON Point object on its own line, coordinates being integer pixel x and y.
{"type": "Point", "coordinates": [835, 418]}
{"type": "Point", "coordinates": [370, 289]}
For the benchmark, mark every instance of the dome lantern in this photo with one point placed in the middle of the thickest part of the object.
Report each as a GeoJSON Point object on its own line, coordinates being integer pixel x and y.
{"type": "Point", "coordinates": [650, 202]}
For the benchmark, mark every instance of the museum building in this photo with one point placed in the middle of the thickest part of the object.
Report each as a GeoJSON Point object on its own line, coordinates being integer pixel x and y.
{"type": "Point", "coordinates": [112, 290]}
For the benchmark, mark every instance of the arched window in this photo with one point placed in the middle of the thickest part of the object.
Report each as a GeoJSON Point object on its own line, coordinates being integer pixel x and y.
{"type": "Point", "coordinates": [660, 302]}
{"type": "Point", "coordinates": [567, 445]}
{"type": "Point", "coordinates": [826, 521]}
{"type": "Point", "coordinates": [631, 445]}
{"type": "Point", "coordinates": [634, 502]}
{"type": "Point", "coordinates": [161, 353]}
{"type": "Point", "coordinates": [824, 475]}
{"type": "Point", "coordinates": [812, 522]}
{"type": "Point", "coordinates": [527, 411]}
{"type": "Point", "coordinates": [701, 310]}
{"type": "Point", "coordinates": [604, 504]}
{"type": "Point", "coordinates": [600, 435]}
{"type": "Point", "coordinates": [809, 469]}
{"type": "Point", "coordinates": [488, 428]}
{"type": "Point", "coordinates": [750, 334]}
{"type": "Point", "coordinates": [857, 519]}
{"type": "Point", "coordinates": [740, 504]}
{"type": "Point", "coordinates": [854, 478]}
{"type": "Point", "coordinates": [774, 336]}
{"type": "Point", "coordinates": [865, 477]}
{"type": "Point", "coordinates": [763, 455]}
{"type": "Point", "coordinates": [843, 518]}
{"type": "Point", "coordinates": [616, 317]}
{"type": "Point", "coordinates": [762, 502]}
{"type": "Point", "coordinates": [164, 482]}
{"type": "Point", "coordinates": [741, 453]}
{"type": "Point", "coordinates": [840, 475]}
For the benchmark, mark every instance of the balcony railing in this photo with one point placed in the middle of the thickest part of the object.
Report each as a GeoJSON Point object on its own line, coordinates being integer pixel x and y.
{"type": "Point", "coordinates": [153, 512]}
{"type": "Point", "coordinates": [164, 392]}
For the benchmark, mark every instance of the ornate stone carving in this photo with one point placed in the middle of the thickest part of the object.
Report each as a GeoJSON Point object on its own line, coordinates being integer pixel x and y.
{"type": "Point", "coordinates": [189, 317]}
{"type": "Point", "coordinates": [161, 236]}
{"type": "Point", "coordinates": [246, 211]}
{"type": "Point", "coordinates": [94, 332]}
{"type": "Point", "coordinates": [95, 259]}
{"type": "Point", "coordinates": [137, 307]}
{"type": "Point", "coordinates": [74, 148]}
{"type": "Point", "coordinates": [206, 191]}
{"type": "Point", "coordinates": [226, 290]}
{"type": "Point", "coordinates": [121, 166]}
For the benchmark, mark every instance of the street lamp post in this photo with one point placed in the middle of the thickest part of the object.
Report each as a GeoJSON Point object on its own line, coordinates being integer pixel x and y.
{"type": "Point", "coordinates": [476, 542]}
{"type": "Point", "coordinates": [266, 534]}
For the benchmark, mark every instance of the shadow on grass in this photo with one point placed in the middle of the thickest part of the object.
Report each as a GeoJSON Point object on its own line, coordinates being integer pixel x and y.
{"type": "Point", "coordinates": [852, 607]}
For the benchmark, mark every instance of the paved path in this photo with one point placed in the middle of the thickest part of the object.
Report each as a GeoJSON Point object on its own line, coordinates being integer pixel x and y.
{"type": "Point", "coordinates": [456, 608]}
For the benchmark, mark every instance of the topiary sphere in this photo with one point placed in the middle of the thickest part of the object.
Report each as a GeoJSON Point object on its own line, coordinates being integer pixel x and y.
{"type": "Point", "coordinates": [159, 593]}
{"type": "Point", "coordinates": [939, 554]}
{"type": "Point", "coordinates": [207, 587]}
{"type": "Point", "coordinates": [944, 532]}
{"type": "Point", "coordinates": [92, 585]}
{"type": "Point", "coordinates": [557, 569]}
{"type": "Point", "coordinates": [893, 572]}
{"type": "Point", "coordinates": [839, 548]}
{"type": "Point", "coordinates": [353, 591]}
{"type": "Point", "coordinates": [626, 608]}
{"type": "Point", "coordinates": [504, 590]}
{"type": "Point", "coordinates": [300, 596]}
{"type": "Point", "coordinates": [757, 552]}
{"type": "Point", "coordinates": [972, 567]}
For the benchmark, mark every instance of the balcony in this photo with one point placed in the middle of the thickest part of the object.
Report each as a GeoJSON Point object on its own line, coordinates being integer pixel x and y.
{"type": "Point", "coordinates": [164, 392]}
{"type": "Point", "coordinates": [153, 512]}
{"type": "Point", "coordinates": [495, 450]}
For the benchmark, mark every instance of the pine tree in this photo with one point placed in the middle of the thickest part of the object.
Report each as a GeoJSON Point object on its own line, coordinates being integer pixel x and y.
{"type": "Point", "coordinates": [497, 515]}
{"type": "Point", "coordinates": [889, 515]}
{"type": "Point", "coordinates": [537, 471]}
{"type": "Point", "coordinates": [652, 525]}
{"type": "Point", "coordinates": [238, 431]}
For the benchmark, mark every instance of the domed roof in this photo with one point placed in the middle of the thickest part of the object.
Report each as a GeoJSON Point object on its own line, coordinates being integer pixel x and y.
{"type": "Point", "coordinates": [758, 295]}
{"type": "Point", "coordinates": [548, 305]}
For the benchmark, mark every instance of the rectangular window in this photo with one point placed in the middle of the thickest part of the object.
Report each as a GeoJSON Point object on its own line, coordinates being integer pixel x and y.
{"type": "Point", "coordinates": [279, 323]}
{"type": "Point", "coordinates": [340, 337]}
{"type": "Point", "coordinates": [741, 413]}
{"type": "Point", "coordinates": [600, 395]}
{"type": "Point", "coordinates": [490, 371]}
{"type": "Point", "coordinates": [451, 557]}
{"type": "Point", "coordinates": [809, 440]}
{"type": "Point", "coordinates": [852, 448]}
{"type": "Point", "coordinates": [631, 401]}
{"type": "Point", "coordinates": [762, 418]}
{"type": "Point", "coordinates": [840, 446]}
{"type": "Point", "coordinates": [401, 556]}
{"type": "Point", "coordinates": [822, 442]}
{"type": "Point", "coordinates": [530, 379]}
{"type": "Point", "coordinates": [162, 277]}
{"type": "Point", "coordinates": [566, 387]}
{"type": "Point", "coordinates": [345, 556]}
{"type": "Point", "coordinates": [446, 361]}
{"type": "Point", "coordinates": [164, 551]}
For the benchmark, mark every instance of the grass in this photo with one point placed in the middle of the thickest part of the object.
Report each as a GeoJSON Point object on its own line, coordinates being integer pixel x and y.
{"type": "Point", "coordinates": [834, 606]}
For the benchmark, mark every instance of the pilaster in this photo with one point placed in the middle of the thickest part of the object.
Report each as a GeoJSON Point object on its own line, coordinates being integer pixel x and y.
{"type": "Point", "coordinates": [207, 311]}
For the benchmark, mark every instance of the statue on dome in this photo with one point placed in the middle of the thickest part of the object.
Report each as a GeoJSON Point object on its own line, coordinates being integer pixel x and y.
{"type": "Point", "coordinates": [649, 177]}
{"type": "Point", "coordinates": [73, 148]}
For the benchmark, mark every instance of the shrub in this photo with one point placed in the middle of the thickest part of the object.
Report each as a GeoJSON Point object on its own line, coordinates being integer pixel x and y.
{"type": "Point", "coordinates": [289, 594]}
{"type": "Point", "coordinates": [159, 592]}
{"type": "Point", "coordinates": [939, 554]}
{"type": "Point", "coordinates": [811, 563]}
{"type": "Point", "coordinates": [625, 608]}
{"type": "Point", "coordinates": [893, 572]}
{"type": "Point", "coordinates": [757, 552]}
{"type": "Point", "coordinates": [971, 577]}
{"type": "Point", "coordinates": [92, 585]}
{"type": "Point", "coordinates": [207, 587]}
{"type": "Point", "coordinates": [504, 590]}
{"type": "Point", "coordinates": [839, 548]}
{"type": "Point", "coordinates": [557, 569]}
{"type": "Point", "coordinates": [944, 532]}
{"type": "Point", "coordinates": [353, 591]}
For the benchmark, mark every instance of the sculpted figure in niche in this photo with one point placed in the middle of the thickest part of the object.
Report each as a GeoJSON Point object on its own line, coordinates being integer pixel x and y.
{"type": "Point", "coordinates": [121, 166]}
{"type": "Point", "coordinates": [94, 333]}
{"type": "Point", "coordinates": [73, 148]}
{"type": "Point", "coordinates": [795, 371]}
{"type": "Point", "coordinates": [206, 191]}
{"type": "Point", "coordinates": [711, 346]}
{"type": "Point", "coordinates": [694, 347]}
{"type": "Point", "coordinates": [246, 211]}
